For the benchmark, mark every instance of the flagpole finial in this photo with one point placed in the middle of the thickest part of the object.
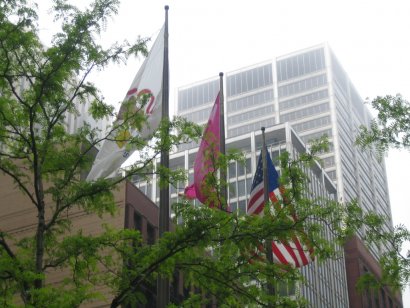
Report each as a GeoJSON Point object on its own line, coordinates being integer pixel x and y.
{"type": "Point", "coordinates": [221, 74]}
{"type": "Point", "coordinates": [166, 7]}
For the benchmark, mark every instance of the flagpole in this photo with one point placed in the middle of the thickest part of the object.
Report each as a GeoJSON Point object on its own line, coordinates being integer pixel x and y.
{"type": "Point", "coordinates": [268, 243]}
{"type": "Point", "coordinates": [222, 140]}
{"type": "Point", "coordinates": [163, 282]}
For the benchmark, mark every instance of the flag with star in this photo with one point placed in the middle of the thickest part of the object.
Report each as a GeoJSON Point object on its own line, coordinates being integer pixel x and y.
{"type": "Point", "coordinates": [292, 252]}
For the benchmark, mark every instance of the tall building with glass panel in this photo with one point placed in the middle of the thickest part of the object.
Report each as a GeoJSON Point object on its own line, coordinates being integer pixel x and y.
{"type": "Point", "coordinates": [317, 97]}
{"type": "Point", "coordinates": [310, 90]}
{"type": "Point", "coordinates": [325, 284]}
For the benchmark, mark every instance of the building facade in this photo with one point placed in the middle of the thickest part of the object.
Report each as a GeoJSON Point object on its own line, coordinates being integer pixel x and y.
{"type": "Point", "coordinates": [310, 90]}
{"type": "Point", "coordinates": [326, 284]}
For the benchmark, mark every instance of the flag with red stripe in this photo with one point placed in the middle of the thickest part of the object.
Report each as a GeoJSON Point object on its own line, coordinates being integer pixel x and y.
{"type": "Point", "coordinates": [292, 252]}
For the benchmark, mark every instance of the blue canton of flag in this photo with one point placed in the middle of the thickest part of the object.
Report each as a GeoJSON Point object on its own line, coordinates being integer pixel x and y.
{"type": "Point", "coordinates": [256, 200]}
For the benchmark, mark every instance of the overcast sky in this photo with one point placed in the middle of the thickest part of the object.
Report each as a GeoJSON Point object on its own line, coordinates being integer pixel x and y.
{"type": "Point", "coordinates": [370, 39]}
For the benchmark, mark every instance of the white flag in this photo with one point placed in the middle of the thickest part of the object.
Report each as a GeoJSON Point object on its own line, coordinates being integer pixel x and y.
{"type": "Point", "coordinates": [147, 81]}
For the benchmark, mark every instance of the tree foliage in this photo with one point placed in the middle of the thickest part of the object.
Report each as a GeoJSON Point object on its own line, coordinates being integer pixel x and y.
{"type": "Point", "coordinates": [213, 249]}
{"type": "Point", "coordinates": [39, 87]}
{"type": "Point", "coordinates": [390, 129]}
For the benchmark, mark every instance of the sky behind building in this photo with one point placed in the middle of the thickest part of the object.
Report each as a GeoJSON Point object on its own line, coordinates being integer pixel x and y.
{"type": "Point", "coordinates": [370, 39]}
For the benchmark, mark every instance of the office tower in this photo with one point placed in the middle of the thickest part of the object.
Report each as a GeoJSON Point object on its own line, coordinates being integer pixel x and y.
{"type": "Point", "coordinates": [325, 282]}
{"type": "Point", "coordinates": [310, 90]}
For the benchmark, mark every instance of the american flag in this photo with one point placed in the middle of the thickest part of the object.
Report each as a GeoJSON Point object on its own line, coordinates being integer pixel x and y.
{"type": "Point", "coordinates": [256, 199]}
{"type": "Point", "coordinates": [284, 252]}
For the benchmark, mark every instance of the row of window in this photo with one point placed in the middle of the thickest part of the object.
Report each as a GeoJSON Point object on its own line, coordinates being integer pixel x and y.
{"type": "Point", "coordinates": [302, 85]}
{"type": "Point", "coordinates": [233, 132]}
{"type": "Point", "coordinates": [357, 102]}
{"type": "Point", "coordinates": [328, 162]}
{"type": "Point", "coordinates": [238, 168]}
{"type": "Point", "coordinates": [240, 188]}
{"type": "Point", "coordinates": [199, 116]}
{"type": "Point", "coordinates": [348, 175]}
{"type": "Point", "coordinates": [367, 198]}
{"type": "Point", "coordinates": [187, 146]}
{"type": "Point", "coordinates": [301, 64]}
{"type": "Point", "coordinates": [250, 100]}
{"type": "Point", "coordinates": [345, 135]}
{"type": "Point", "coordinates": [326, 284]}
{"type": "Point", "coordinates": [343, 115]}
{"type": "Point", "coordinates": [251, 114]}
{"type": "Point", "coordinates": [309, 137]}
{"type": "Point", "coordinates": [249, 80]}
{"type": "Point", "coordinates": [332, 174]}
{"type": "Point", "coordinates": [339, 74]}
{"type": "Point", "coordinates": [197, 95]}
{"type": "Point", "coordinates": [312, 124]}
{"type": "Point", "coordinates": [149, 232]}
{"type": "Point", "coordinates": [341, 97]}
{"type": "Point", "coordinates": [238, 206]}
{"type": "Point", "coordinates": [346, 144]}
{"type": "Point", "coordinates": [305, 112]}
{"type": "Point", "coordinates": [303, 100]}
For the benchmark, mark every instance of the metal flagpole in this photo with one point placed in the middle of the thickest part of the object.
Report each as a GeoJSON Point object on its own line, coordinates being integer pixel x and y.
{"type": "Point", "coordinates": [268, 242]}
{"type": "Point", "coordinates": [222, 140]}
{"type": "Point", "coordinates": [163, 282]}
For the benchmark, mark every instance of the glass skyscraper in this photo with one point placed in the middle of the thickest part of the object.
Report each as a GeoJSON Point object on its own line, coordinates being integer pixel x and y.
{"type": "Point", "coordinates": [310, 91]}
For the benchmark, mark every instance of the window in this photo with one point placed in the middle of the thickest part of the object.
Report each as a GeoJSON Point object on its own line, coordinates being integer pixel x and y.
{"type": "Point", "coordinates": [249, 80]}
{"type": "Point", "coordinates": [137, 222]}
{"type": "Point", "coordinates": [250, 100]}
{"type": "Point", "coordinates": [303, 100]}
{"type": "Point", "coordinates": [233, 206]}
{"type": "Point", "coordinates": [311, 124]}
{"type": "Point", "coordinates": [198, 116]}
{"type": "Point", "coordinates": [232, 190]}
{"type": "Point", "coordinates": [328, 162]}
{"type": "Point", "coordinates": [241, 169]}
{"type": "Point", "coordinates": [302, 85]}
{"type": "Point", "coordinates": [305, 112]}
{"type": "Point", "coordinates": [250, 115]}
{"type": "Point", "coordinates": [301, 64]}
{"type": "Point", "coordinates": [197, 95]}
{"type": "Point", "coordinates": [232, 170]}
{"type": "Point", "coordinates": [150, 234]}
{"type": "Point", "coordinates": [309, 137]}
{"type": "Point", "coordinates": [332, 175]}
{"type": "Point", "coordinates": [242, 207]}
{"type": "Point", "coordinates": [251, 127]}
{"type": "Point", "coordinates": [241, 188]}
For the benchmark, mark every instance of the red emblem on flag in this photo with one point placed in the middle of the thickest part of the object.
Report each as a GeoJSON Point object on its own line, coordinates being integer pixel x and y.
{"type": "Point", "coordinates": [137, 94]}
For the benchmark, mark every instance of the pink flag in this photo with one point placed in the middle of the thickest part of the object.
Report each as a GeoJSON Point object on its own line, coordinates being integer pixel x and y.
{"type": "Point", "coordinates": [207, 154]}
{"type": "Point", "coordinates": [189, 192]}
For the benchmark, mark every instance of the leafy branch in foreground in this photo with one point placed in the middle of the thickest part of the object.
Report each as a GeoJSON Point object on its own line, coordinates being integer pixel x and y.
{"type": "Point", "coordinates": [216, 251]}
{"type": "Point", "coordinates": [41, 87]}
{"type": "Point", "coordinates": [390, 129]}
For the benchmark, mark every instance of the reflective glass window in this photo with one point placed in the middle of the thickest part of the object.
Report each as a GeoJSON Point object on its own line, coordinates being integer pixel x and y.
{"type": "Point", "coordinates": [301, 64]}
{"type": "Point", "coordinates": [302, 85]}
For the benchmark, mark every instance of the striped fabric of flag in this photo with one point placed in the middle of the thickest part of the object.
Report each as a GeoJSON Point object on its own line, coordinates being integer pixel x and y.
{"type": "Point", "coordinates": [284, 252]}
